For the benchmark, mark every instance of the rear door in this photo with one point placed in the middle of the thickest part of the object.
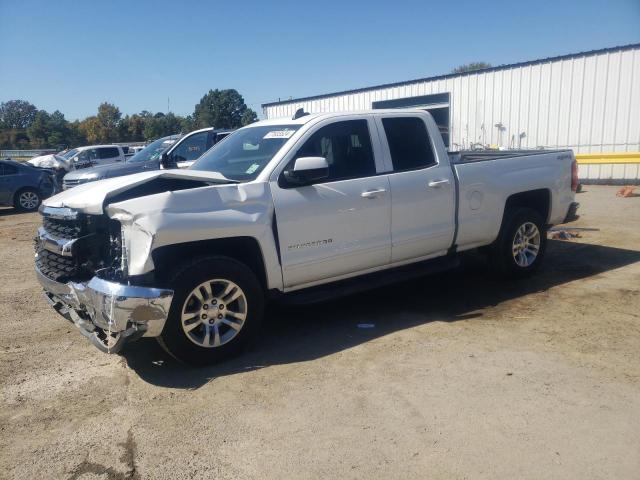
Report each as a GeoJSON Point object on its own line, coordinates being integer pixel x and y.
{"type": "Point", "coordinates": [422, 189]}
{"type": "Point", "coordinates": [339, 225]}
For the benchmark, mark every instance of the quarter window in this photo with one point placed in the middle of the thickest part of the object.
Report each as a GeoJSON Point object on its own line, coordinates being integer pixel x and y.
{"type": "Point", "coordinates": [409, 143]}
{"type": "Point", "coordinates": [347, 148]}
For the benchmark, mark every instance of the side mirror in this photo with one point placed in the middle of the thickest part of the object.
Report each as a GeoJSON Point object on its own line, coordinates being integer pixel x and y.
{"type": "Point", "coordinates": [164, 160]}
{"type": "Point", "coordinates": [307, 171]}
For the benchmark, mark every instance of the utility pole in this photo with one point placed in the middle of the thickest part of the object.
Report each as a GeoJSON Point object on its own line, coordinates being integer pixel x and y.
{"type": "Point", "coordinates": [168, 109]}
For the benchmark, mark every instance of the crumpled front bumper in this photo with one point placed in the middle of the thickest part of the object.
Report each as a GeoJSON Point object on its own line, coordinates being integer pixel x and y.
{"type": "Point", "coordinates": [112, 307]}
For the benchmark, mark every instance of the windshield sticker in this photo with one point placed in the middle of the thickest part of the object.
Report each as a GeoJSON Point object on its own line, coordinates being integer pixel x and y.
{"type": "Point", "coordinates": [279, 134]}
{"type": "Point", "coordinates": [252, 168]}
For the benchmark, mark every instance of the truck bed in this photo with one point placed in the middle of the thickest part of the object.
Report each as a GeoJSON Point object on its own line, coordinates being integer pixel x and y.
{"type": "Point", "coordinates": [486, 179]}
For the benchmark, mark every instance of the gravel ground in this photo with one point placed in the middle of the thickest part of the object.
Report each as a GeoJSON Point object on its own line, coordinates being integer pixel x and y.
{"type": "Point", "coordinates": [461, 377]}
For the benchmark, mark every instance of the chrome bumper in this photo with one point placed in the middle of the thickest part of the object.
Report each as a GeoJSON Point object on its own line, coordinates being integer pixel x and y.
{"type": "Point", "coordinates": [130, 310]}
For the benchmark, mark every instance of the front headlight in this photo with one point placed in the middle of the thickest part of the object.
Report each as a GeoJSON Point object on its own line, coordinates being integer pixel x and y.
{"type": "Point", "coordinates": [90, 178]}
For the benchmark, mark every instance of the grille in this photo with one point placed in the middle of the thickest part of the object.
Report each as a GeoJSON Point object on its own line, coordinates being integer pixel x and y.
{"type": "Point", "coordinates": [70, 183]}
{"type": "Point", "coordinates": [54, 266]}
{"type": "Point", "coordinates": [69, 229]}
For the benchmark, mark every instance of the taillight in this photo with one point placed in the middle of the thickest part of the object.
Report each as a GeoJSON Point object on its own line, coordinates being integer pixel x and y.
{"type": "Point", "coordinates": [574, 176]}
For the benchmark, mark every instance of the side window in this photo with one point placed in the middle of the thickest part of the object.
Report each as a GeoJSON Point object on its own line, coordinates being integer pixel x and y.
{"type": "Point", "coordinates": [347, 148]}
{"type": "Point", "coordinates": [86, 155]}
{"type": "Point", "coordinates": [109, 152]}
{"type": "Point", "coordinates": [220, 136]}
{"type": "Point", "coordinates": [191, 148]}
{"type": "Point", "coordinates": [408, 143]}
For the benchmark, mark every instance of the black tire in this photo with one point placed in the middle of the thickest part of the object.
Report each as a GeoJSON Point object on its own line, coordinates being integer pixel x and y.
{"type": "Point", "coordinates": [501, 254]}
{"type": "Point", "coordinates": [20, 200]}
{"type": "Point", "coordinates": [183, 281]}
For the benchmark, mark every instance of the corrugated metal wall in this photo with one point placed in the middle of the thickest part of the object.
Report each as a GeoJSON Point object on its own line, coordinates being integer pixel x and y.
{"type": "Point", "coordinates": [587, 102]}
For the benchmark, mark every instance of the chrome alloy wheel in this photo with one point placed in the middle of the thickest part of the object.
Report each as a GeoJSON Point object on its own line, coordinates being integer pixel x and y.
{"type": "Point", "coordinates": [214, 313]}
{"type": "Point", "coordinates": [526, 244]}
{"type": "Point", "coordinates": [28, 200]}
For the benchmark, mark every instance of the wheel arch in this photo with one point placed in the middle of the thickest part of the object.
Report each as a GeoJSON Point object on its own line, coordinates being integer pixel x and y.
{"type": "Point", "coordinates": [244, 249]}
{"type": "Point", "coordinates": [538, 200]}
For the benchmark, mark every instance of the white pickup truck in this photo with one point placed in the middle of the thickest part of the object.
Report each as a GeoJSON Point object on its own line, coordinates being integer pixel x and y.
{"type": "Point", "coordinates": [303, 208]}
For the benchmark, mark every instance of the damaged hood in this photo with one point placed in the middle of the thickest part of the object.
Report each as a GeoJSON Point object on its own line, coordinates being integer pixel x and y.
{"type": "Point", "coordinates": [90, 197]}
{"type": "Point", "coordinates": [50, 161]}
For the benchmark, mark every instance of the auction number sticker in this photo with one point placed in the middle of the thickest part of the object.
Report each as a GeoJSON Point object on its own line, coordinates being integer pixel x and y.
{"type": "Point", "coordinates": [279, 134]}
{"type": "Point", "coordinates": [253, 168]}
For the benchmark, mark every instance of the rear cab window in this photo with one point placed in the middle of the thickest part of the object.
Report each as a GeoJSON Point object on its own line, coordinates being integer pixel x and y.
{"type": "Point", "coordinates": [108, 152]}
{"type": "Point", "coordinates": [409, 143]}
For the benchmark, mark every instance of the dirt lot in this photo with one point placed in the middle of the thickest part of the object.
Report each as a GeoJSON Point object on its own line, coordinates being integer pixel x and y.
{"type": "Point", "coordinates": [461, 377]}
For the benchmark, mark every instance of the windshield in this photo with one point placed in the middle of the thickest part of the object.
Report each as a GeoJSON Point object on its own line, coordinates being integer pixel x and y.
{"type": "Point", "coordinates": [69, 154]}
{"type": "Point", "coordinates": [244, 153]}
{"type": "Point", "coordinates": [154, 150]}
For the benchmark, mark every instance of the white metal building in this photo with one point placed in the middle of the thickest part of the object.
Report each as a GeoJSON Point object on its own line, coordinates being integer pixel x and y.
{"type": "Point", "coordinates": [589, 102]}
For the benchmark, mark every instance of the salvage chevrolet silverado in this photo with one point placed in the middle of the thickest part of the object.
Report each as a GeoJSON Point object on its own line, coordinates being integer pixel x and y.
{"type": "Point", "coordinates": [304, 207]}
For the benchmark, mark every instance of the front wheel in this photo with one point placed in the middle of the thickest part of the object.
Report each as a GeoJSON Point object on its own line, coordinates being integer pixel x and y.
{"type": "Point", "coordinates": [216, 310]}
{"type": "Point", "coordinates": [27, 200]}
{"type": "Point", "coordinates": [521, 244]}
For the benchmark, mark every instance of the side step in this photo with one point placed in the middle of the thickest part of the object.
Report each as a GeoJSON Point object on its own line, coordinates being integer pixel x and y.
{"type": "Point", "coordinates": [343, 288]}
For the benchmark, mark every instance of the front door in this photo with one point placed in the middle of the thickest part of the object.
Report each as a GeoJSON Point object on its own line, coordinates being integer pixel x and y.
{"type": "Point", "coordinates": [422, 188]}
{"type": "Point", "coordinates": [340, 225]}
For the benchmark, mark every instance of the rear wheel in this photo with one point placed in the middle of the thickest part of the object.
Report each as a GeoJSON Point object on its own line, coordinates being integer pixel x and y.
{"type": "Point", "coordinates": [217, 308]}
{"type": "Point", "coordinates": [27, 199]}
{"type": "Point", "coordinates": [521, 244]}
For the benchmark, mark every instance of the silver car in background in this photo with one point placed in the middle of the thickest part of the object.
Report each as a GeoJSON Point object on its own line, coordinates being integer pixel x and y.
{"type": "Point", "coordinates": [146, 159]}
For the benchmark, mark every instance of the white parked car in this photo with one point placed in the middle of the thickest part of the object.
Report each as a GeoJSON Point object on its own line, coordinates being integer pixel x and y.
{"type": "Point", "coordinates": [307, 207]}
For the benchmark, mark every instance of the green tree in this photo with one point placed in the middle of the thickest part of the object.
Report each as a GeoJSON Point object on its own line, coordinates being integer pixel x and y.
{"type": "Point", "coordinates": [249, 116]}
{"type": "Point", "coordinates": [48, 130]}
{"type": "Point", "coordinates": [38, 131]}
{"type": "Point", "coordinates": [132, 127]}
{"type": "Point", "coordinates": [161, 125]}
{"type": "Point", "coordinates": [76, 136]}
{"type": "Point", "coordinates": [222, 109]}
{"type": "Point", "coordinates": [470, 67]}
{"type": "Point", "coordinates": [187, 124]}
{"type": "Point", "coordinates": [14, 138]}
{"type": "Point", "coordinates": [108, 118]}
{"type": "Point", "coordinates": [59, 133]}
{"type": "Point", "coordinates": [17, 114]}
{"type": "Point", "coordinates": [91, 129]}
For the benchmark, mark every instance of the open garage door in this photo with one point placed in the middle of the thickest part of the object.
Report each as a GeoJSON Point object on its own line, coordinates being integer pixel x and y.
{"type": "Point", "coordinates": [438, 105]}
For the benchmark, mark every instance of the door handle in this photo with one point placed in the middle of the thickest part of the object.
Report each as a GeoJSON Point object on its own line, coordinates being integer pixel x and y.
{"type": "Point", "coordinates": [373, 193]}
{"type": "Point", "coordinates": [438, 183]}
